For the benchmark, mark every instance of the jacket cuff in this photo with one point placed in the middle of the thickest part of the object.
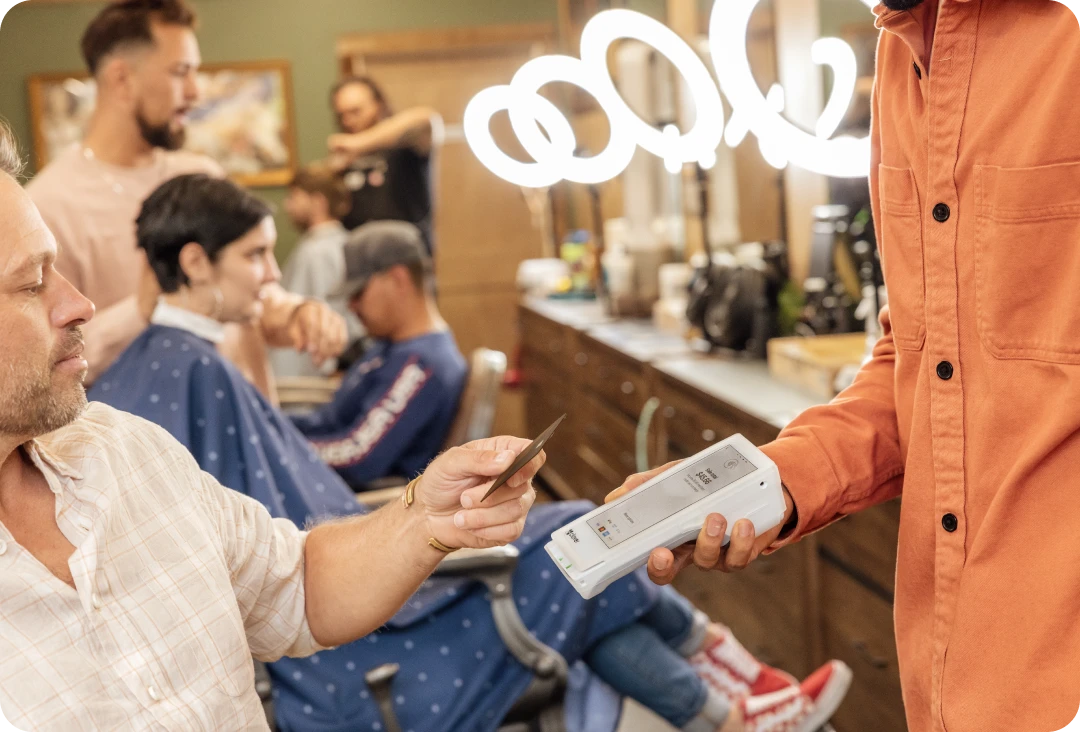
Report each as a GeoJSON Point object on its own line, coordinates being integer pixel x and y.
{"type": "Point", "coordinates": [809, 478]}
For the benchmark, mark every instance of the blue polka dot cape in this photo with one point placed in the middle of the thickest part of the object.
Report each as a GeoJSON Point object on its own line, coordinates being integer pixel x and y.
{"type": "Point", "coordinates": [456, 674]}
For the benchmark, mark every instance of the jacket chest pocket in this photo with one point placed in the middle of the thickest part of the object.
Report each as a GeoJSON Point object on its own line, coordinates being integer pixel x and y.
{"type": "Point", "coordinates": [1027, 269]}
{"type": "Point", "coordinates": [900, 235]}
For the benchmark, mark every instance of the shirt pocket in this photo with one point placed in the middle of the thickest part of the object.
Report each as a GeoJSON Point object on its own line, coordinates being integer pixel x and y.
{"type": "Point", "coordinates": [900, 232]}
{"type": "Point", "coordinates": [1027, 261]}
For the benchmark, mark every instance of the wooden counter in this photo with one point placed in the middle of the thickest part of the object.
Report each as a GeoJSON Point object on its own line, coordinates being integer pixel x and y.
{"type": "Point", "coordinates": [828, 596]}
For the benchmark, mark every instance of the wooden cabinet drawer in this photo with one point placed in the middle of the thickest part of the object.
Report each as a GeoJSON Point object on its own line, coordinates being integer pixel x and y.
{"type": "Point", "coordinates": [610, 435]}
{"type": "Point", "coordinates": [548, 395]}
{"type": "Point", "coordinates": [615, 378]}
{"type": "Point", "coordinates": [694, 421]}
{"type": "Point", "coordinates": [547, 340]}
{"type": "Point", "coordinates": [764, 605]}
{"type": "Point", "coordinates": [865, 544]}
{"type": "Point", "coordinates": [586, 477]}
{"type": "Point", "coordinates": [858, 629]}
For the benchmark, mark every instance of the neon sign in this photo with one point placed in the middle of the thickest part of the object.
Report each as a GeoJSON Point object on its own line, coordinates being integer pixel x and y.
{"type": "Point", "coordinates": [781, 142]}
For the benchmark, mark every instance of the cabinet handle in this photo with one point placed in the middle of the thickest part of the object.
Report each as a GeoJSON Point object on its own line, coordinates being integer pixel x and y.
{"type": "Point", "coordinates": [592, 431]}
{"type": "Point", "coordinates": [875, 661]}
{"type": "Point", "coordinates": [708, 435]}
{"type": "Point", "coordinates": [669, 412]}
{"type": "Point", "coordinates": [581, 359]}
{"type": "Point", "coordinates": [628, 388]}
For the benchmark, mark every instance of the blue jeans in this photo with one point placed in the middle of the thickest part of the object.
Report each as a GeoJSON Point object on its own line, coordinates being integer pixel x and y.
{"type": "Point", "coordinates": [646, 661]}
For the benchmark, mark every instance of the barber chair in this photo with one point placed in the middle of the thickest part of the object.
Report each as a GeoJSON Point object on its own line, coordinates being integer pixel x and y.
{"type": "Point", "coordinates": [540, 708]}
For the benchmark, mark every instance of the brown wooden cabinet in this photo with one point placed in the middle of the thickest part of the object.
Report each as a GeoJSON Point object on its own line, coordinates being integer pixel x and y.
{"type": "Point", "coordinates": [828, 596]}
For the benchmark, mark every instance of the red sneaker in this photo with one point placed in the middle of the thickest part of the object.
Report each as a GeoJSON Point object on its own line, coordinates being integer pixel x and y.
{"type": "Point", "coordinates": [803, 708]}
{"type": "Point", "coordinates": [732, 671]}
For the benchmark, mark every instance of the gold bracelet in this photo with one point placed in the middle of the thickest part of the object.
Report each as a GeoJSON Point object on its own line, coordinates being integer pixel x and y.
{"type": "Point", "coordinates": [408, 496]}
{"type": "Point", "coordinates": [441, 547]}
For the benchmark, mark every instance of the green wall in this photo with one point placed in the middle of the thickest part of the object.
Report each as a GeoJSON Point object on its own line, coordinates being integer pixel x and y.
{"type": "Point", "coordinates": [40, 38]}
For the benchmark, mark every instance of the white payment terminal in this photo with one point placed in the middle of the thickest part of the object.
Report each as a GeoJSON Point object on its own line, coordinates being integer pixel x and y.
{"type": "Point", "coordinates": [732, 478]}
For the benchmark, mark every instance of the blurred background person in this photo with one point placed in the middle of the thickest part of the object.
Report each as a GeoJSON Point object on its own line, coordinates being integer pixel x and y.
{"type": "Point", "coordinates": [395, 406]}
{"type": "Point", "coordinates": [316, 202]}
{"type": "Point", "coordinates": [385, 157]}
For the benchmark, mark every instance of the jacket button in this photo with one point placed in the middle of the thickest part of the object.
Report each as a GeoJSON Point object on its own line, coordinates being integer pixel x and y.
{"type": "Point", "coordinates": [944, 370]}
{"type": "Point", "coordinates": [949, 522]}
{"type": "Point", "coordinates": [941, 213]}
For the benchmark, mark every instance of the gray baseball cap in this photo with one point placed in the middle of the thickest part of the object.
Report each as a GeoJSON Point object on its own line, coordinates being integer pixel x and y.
{"type": "Point", "coordinates": [377, 247]}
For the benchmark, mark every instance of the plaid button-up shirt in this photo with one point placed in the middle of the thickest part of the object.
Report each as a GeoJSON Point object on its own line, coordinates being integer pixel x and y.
{"type": "Point", "coordinates": [178, 582]}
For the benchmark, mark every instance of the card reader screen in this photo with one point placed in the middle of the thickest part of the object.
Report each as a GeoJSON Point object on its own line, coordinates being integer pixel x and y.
{"type": "Point", "coordinates": [648, 507]}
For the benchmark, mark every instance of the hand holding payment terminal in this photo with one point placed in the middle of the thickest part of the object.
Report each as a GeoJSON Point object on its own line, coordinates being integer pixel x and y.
{"type": "Point", "coordinates": [732, 478]}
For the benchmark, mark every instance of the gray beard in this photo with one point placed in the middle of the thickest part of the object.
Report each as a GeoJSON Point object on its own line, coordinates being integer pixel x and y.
{"type": "Point", "coordinates": [34, 406]}
{"type": "Point", "coordinates": [36, 409]}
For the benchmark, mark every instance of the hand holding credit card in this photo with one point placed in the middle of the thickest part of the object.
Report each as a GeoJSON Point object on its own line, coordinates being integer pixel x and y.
{"type": "Point", "coordinates": [523, 459]}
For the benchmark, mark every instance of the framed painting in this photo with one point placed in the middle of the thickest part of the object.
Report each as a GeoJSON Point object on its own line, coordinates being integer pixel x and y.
{"type": "Point", "coordinates": [244, 119]}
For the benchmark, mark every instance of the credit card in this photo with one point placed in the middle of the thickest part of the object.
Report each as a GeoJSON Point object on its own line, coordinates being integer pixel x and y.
{"type": "Point", "coordinates": [523, 458]}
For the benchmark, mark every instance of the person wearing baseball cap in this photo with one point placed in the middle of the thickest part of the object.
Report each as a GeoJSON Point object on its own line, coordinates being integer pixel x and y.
{"type": "Point", "coordinates": [396, 404]}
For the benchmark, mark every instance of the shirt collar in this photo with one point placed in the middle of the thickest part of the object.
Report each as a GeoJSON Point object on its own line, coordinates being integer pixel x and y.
{"type": "Point", "coordinates": [173, 317]}
{"type": "Point", "coordinates": [46, 461]}
{"type": "Point", "coordinates": [886, 18]}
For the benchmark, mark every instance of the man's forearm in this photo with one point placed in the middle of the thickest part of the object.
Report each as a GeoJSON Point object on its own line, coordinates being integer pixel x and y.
{"type": "Point", "coordinates": [411, 128]}
{"type": "Point", "coordinates": [359, 572]}
{"type": "Point", "coordinates": [109, 332]}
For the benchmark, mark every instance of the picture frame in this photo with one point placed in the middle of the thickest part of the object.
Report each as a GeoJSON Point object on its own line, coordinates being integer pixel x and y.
{"type": "Point", "coordinates": [244, 121]}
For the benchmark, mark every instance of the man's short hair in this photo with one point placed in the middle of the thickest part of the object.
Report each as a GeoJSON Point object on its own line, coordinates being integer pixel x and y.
{"type": "Point", "coordinates": [211, 212]}
{"type": "Point", "coordinates": [128, 24]}
{"type": "Point", "coordinates": [320, 178]}
{"type": "Point", "coordinates": [11, 161]}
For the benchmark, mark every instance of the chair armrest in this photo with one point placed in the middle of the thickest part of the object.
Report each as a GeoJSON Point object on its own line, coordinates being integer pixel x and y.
{"type": "Point", "coordinates": [471, 562]}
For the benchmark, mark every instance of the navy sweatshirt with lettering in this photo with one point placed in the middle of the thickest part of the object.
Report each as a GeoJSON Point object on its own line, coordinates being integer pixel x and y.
{"type": "Point", "coordinates": [393, 411]}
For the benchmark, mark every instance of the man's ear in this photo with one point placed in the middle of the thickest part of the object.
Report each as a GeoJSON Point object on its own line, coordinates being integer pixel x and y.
{"type": "Point", "coordinates": [117, 74]}
{"type": "Point", "coordinates": [196, 265]}
{"type": "Point", "coordinates": [401, 276]}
